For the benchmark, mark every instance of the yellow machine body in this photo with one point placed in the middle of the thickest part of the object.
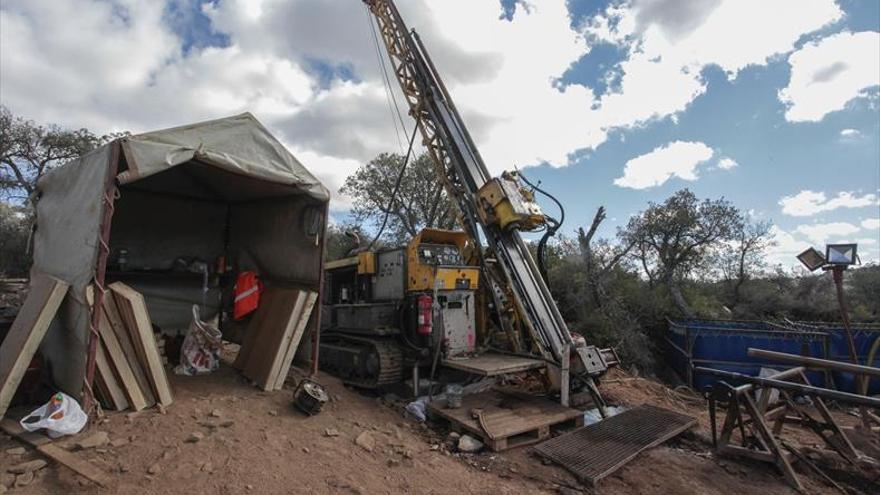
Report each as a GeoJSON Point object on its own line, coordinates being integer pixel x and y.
{"type": "Point", "coordinates": [424, 271]}
{"type": "Point", "coordinates": [505, 202]}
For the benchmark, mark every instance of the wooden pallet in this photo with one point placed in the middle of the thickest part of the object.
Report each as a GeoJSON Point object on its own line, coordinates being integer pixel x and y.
{"type": "Point", "coordinates": [504, 421]}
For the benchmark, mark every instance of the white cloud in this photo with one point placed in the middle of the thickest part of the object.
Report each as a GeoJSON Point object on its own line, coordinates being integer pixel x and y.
{"type": "Point", "coordinates": [677, 159]}
{"type": "Point", "coordinates": [871, 224]}
{"type": "Point", "coordinates": [850, 133]}
{"type": "Point", "coordinates": [727, 163]}
{"type": "Point", "coordinates": [807, 203]}
{"type": "Point", "coordinates": [828, 73]}
{"type": "Point", "coordinates": [821, 233]}
{"type": "Point", "coordinates": [117, 66]}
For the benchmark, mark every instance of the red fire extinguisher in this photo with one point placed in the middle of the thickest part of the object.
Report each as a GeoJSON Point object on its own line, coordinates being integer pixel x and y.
{"type": "Point", "coordinates": [426, 320]}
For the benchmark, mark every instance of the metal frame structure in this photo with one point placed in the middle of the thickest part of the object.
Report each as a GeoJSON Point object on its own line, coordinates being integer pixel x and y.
{"type": "Point", "coordinates": [749, 410]}
{"type": "Point", "coordinates": [463, 172]}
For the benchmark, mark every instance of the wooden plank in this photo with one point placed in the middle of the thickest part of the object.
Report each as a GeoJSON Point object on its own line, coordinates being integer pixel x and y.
{"type": "Point", "coordinates": [133, 310]}
{"type": "Point", "coordinates": [512, 422]}
{"type": "Point", "coordinates": [129, 355]}
{"type": "Point", "coordinates": [28, 330]}
{"type": "Point", "coordinates": [255, 325]}
{"type": "Point", "coordinates": [116, 359]}
{"type": "Point", "coordinates": [45, 446]}
{"type": "Point", "coordinates": [279, 305]}
{"type": "Point", "coordinates": [105, 373]}
{"type": "Point", "coordinates": [491, 364]}
{"type": "Point", "coordinates": [302, 320]}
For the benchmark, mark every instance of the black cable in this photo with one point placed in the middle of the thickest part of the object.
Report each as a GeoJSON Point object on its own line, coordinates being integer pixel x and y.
{"type": "Point", "coordinates": [396, 187]}
{"type": "Point", "coordinates": [552, 227]}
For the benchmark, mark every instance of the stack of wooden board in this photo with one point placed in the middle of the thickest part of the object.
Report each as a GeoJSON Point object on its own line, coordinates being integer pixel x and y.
{"type": "Point", "coordinates": [28, 330]}
{"type": "Point", "coordinates": [273, 336]}
{"type": "Point", "coordinates": [129, 368]}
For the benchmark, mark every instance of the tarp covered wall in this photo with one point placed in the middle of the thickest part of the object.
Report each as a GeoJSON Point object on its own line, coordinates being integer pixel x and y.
{"type": "Point", "coordinates": [193, 191]}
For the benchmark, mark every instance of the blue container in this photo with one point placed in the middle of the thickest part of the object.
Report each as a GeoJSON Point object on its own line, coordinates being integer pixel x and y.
{"type": "Point", "coordinates": [864, 336]}
{"type": "Point", "coordinates": [724, 344]}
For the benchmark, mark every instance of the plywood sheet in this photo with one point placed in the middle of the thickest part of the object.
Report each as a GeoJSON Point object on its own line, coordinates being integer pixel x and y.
{"type": "Point", "coordinates": [491, 364]}
{"type": "Point", "coordinates": [28, 330]}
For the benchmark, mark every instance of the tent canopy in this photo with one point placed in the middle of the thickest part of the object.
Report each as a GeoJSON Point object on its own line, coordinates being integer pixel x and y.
{"type": "Point", "coordinates": [223, 188]}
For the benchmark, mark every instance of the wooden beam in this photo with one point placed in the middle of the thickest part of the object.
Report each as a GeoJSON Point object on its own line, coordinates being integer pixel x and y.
{"type": "Point", "coordinates": [45, 446]}
{"type": "Point", "coordinates": [129, 355]}
{"type": "Point", "coordinates": [115, 357]}
{"type": "Point", "coordinates": [298, 332]}
{"type": "Point", "coordinates": [133, 310]}
{"type": "Point", "coordinates": [28, 330]}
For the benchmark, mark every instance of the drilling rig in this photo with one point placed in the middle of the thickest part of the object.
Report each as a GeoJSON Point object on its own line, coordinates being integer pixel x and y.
{"type": "Point", "coordinates": [493, 211]}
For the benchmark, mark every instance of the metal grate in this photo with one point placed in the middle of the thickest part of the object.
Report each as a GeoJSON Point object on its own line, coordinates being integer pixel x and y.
{"type": "Point", "coordinates": [595, 451]}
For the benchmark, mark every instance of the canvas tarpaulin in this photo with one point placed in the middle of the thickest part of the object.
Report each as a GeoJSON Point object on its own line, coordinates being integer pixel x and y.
{"type": "Point", "coordinates": [222, 187]}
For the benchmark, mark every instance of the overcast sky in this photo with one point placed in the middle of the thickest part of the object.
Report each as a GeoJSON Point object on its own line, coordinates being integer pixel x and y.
{"type": "Point", "coordinates": [773, 104]}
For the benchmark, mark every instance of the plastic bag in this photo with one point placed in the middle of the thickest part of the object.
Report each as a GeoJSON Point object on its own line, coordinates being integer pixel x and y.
{"type": "Point", "coordinates": [60, 416]}
{"type": "Point", "coordinates": [200, 351]}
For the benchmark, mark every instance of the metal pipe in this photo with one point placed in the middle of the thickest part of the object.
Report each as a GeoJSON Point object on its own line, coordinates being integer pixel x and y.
{"type": "Point", "coordinates": [825, 393]}
{"type": "Point", "coordinates": [779, 375]}
{"type": "Point", "coordinates": [811, 362]}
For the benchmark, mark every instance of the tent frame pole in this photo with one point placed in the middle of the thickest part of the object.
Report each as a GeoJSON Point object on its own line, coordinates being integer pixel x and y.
{"type": "Point", "coordinates": [316, 336]}
{"type": "Point", "coordinates": [97, 309]}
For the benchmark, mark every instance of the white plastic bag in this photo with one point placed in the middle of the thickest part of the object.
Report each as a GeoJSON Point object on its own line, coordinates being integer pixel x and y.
{"type": "Point", "coordinates": [200, 351]}
{"type": "Point", "coordinates": [60, 416]}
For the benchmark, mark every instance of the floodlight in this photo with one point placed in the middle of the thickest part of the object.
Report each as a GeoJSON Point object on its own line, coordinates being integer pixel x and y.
{"type": "Point", "coordinates": [812, 259]}
{"type": "Point", "coordinates": [841, 254]}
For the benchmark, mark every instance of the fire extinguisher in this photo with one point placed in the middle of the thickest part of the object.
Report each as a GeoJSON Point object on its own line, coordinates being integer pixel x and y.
{"type": "Point", "coordinates": [426, 320]}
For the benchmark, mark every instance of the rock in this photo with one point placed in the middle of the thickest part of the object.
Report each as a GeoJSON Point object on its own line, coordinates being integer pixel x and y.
{"type": "Point", "coordinates": [161, 409]}
{"type": "Point", "coordinates": [7, 479]}
{"type": "Point", "coordinates": [98, 439]}
{"type": "Point", "coordinates": [393, 463]}
{"type": "Point", "coordinates": [123, 468]}
{"type": "Point", "coordinates": [331, 432]}
{"type": "Point", "coordinates": [27, 467]}
{"type": "Point", "coordinates": [154, 469]}
{"type": "Point", "coordinates": [118, 442]}
{"type": "Point", "coordinates": [366, 441]}
{"type": "Point", "coordinates": [226, 423]}
{"type": "Point", "coordinates": [273, 413]}
{"type": "Point", "coordinates": [16, 451]}
{"type": "Point", "coordinates": [249, 487]}
{"type": "Point", "coordinates": [24, 479]}
{"type": "Point", "coordinates": [215, 413]}
{"type": "Point", "coordinates": [195, 437]}
{"type": "Point", "coordinates": [207, 467]}
{"type": "Point", "coordinates": [468, 443]}
{"type": "Point", "coordinates": [306, 450]}
{"type": "Point", "coordinates": [453, 436]}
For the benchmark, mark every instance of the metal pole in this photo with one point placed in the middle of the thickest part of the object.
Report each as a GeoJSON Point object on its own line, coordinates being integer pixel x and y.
{"type": "Point", "coordinates": [811, 362]}
{"type": "Point", "coordinates": [855, 399]}
{"type": "Point", "coordinates": [837, 272]}
{"type": "Point", "coordinates": [564, 381]}
{"type": "Point", "coordinates": [316, 336]}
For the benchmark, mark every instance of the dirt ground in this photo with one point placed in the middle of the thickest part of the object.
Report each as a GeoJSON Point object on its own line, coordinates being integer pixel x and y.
{"type": "Point", "coordinates": [256, 442]}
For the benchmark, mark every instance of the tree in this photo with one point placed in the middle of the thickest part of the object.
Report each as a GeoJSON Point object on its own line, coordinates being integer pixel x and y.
{"type": "Point", "coordinates": [421, 200]}
{"type": "Point", "coordinates": [599, 258]}
{"type": "Point", "coordinates": [15, 229]}
{"type": "Point", "coordinates": [28, 150]}
{"type": "Point", "coordinates": [676, 236]}
{"type": "Point", "coordinates": [742, 259]}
